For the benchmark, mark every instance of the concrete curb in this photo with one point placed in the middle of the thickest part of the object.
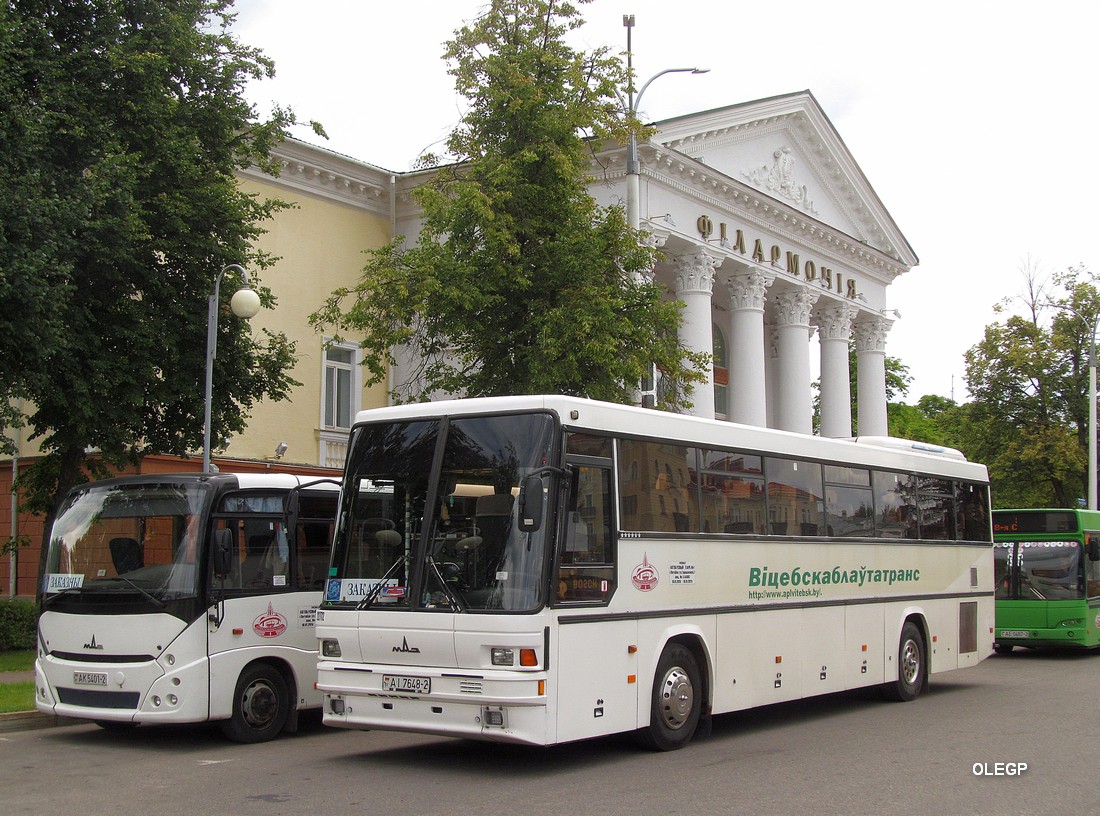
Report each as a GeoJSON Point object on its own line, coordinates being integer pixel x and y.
{"type": "Point", "coordinates": [31, 720]}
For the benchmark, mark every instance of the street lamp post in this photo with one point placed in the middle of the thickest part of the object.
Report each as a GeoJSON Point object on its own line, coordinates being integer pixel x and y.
{"type": "Point", "coordinates": [245, 303]}
{"type": "Point", "coordinates": [1093, 324]}
{"type": "Point", "coordinates": [633, 167]}
{"type": "Point", "coordinates": [1092, 418]}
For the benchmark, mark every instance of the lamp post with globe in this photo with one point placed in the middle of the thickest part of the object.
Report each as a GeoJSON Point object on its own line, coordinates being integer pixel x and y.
{"type": "Point", "coordinates": [246, 304]}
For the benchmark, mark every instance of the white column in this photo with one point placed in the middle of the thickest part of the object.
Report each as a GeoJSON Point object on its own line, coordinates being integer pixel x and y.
{"type": "Point", "coordinates": [794, 401]}
{"type": "Point", "coordinates": [771, 372]}
{"type": "Point", "coordinates": [748, 401]}
{"type": "Point", "coordinates": [834, 325]}
{"type": "Point", "coordinates": [870, 334]}
{"type": "Point", "coordinates": [694, 285]}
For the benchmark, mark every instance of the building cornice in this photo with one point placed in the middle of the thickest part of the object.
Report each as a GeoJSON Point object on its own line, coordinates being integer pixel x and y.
{"type": "Point", "coordinates": [739, 200]}
{"type": "Point", "coordinates": [327, 175]}
{"type": "Point", "coordinates": [799, 116]}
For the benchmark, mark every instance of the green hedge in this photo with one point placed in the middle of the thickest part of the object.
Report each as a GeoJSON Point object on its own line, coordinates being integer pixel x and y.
{"type": "Point", "coordinates": [17, 624]}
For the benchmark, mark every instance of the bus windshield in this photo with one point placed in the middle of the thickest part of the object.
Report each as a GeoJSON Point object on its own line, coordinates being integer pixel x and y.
{"type": "Point", "coordinates": [133, 539]}
{"type": "Point", "coordinates": [465, 551]}
{"type": "Point", "coordinates": [1039, 570]}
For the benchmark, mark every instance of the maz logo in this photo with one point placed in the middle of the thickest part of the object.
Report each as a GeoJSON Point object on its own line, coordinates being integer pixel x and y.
{"type": "Point", "coordinates": [93, 644]}
{"type": "Point", "coordinates": [404, 647]}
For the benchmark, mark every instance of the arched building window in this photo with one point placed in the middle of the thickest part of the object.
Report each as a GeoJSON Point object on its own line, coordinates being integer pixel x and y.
{"type": "Point", "coordinates": [721, 374]}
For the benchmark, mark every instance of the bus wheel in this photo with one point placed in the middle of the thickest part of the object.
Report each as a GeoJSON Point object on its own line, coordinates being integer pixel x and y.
{"type": "Point", "coordinates": [677, 701]}
{"type": "Point", "coordinates": [261, 705]}
{"type": "Point", "coordinates": [912, 665]}
{"type": "Point", "coordinates": [1002, 648]}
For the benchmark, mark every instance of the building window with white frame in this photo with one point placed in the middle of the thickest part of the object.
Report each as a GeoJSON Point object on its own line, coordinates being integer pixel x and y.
{"type": "Point", "coordinates": [339, 401]}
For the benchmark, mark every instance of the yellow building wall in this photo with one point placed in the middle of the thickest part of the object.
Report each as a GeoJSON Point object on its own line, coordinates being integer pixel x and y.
{"type": "Point", "coordinates": [320, 245]}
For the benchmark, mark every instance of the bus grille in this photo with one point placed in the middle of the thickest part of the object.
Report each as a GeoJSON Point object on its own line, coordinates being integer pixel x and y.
{"type": "Point", "coordinates": [99, 699]}
{"type": "Point", "coordinates": [470, 687]}
{"type": "Point", "coordinates": [83, 657]}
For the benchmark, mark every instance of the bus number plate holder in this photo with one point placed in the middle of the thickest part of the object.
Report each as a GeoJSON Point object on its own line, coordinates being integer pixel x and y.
{"type": "Point", "coordinates": [1015, 633]}
{"type": "Point", "coordinates": [90, 678]}
{"type": "Point", "coordinates": [404, 683]}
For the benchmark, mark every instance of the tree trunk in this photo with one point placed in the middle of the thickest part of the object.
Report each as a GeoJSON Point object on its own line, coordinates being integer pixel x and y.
{"type": "Point", "coordinates": [70, 473]}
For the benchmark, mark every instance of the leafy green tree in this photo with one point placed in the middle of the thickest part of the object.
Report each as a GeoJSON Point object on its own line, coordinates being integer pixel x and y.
{"type": "Point", "coordinates": [1028, 379]}
{"type": "Point", "coordinates": [519, 282]}
{"type": "Point", "coordinates": [912, 422]}
{"type": "Point", "coordinates": [123, 124]}
{"type": "Point", "coordinates": [897, 385]}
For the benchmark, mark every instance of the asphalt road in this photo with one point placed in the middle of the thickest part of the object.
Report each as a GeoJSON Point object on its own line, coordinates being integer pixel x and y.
{"type": "Point", "coordinates": [961, 749]}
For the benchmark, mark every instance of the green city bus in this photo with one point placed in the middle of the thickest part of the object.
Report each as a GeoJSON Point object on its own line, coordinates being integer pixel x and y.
{"type": "Point", "coordinates": [1047, 573]}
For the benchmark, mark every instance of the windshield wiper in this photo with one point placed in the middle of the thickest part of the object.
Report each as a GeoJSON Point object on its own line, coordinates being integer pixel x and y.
{"type": "Point", "coordinates": [51, 597]}
{"type": "Point", "coordinates": [369, 599]}
{"type": "Point", "coordinates": [448, 590]}
{"type": "Point", "coordinates": [156, 601]}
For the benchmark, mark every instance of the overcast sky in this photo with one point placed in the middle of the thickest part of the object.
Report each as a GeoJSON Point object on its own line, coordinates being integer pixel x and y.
{"type": "Point", "coordinates": [974, 120]}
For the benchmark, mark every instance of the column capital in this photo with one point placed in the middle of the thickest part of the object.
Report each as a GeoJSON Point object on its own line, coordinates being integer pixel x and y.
{"type": "Point", "coordinates": [870, 333]}
{"type": "Point", "coordinates": [834, 321]}
{"type": "Point", "coordinates": [747, 290]}
{"type": "Point", "coordinates": [695, 272]}
{"type": "Point", "coordinates": [793, 307]}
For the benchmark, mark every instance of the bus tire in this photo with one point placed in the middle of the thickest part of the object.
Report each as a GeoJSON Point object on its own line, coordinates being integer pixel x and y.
{"type": "Point", "coordinates": [261, 705]}
{"type": "Point", "coordinates": [677, 701]}
{"type": "Point", "coordinates": [912, 665]}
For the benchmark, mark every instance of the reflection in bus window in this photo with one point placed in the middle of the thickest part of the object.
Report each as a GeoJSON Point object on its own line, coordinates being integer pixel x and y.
{"type": "Point", "coordinates": [586, 568]}
{"type": "Point", "coordinates": [795, 497]}
{"type": "Point", "coordinates": [661, 496]}
{"type": "Point", "coordinates": [936, 502]}
{"type": "Point", "coordinates": [895, 505]}
{"type": "Point", "coordinates": [972, 512]}
{"type": "Point", "coordinates": [733, 493]}
{"type": "Point", "coordinates": [1050, 570]}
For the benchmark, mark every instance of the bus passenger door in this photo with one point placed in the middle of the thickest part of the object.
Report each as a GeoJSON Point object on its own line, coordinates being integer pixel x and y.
{"type": "Point", "coordinates": [597, 662]}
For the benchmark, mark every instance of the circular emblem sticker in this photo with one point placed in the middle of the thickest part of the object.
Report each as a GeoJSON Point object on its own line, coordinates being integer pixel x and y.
{"type": "Point", "coordinates": [645, 575]}
{"type": "Point", "coordinates": [270, 624]}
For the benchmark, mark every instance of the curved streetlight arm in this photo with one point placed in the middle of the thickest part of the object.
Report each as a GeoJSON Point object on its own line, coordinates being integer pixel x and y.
{"type": "Point", "coordinates": [211, 352]}
{"type": "Point", "coordinates": [648, 82]}
{"type": "Point", "coordinates": [635, 103]}
{"type": "Point", "coordinates": [633, 166]}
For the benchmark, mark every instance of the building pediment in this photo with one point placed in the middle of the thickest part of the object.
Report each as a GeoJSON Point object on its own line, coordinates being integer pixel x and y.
{"type": "Point", "coordinates": [788, 150]}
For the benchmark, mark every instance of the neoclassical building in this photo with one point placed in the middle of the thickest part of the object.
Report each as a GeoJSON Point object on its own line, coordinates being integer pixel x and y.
{"type": "Point", "coordinates": [769, 233]}
{"type": "Point", "coordinates": [780, 250]}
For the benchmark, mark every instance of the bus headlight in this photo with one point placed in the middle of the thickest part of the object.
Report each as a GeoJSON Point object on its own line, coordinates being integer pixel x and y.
{"type": "Point", "coordinates": [507, 657]}
{"type": "Point", "coordinates": [1072, 622]}
{"type": "Point", "coordinates": [330, 648]}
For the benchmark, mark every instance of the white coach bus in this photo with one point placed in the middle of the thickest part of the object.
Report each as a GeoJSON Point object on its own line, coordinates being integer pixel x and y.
{"type": "Point", "coordinates": [550, 569]}
{"type": "Point", "coordinates": [184, 598]}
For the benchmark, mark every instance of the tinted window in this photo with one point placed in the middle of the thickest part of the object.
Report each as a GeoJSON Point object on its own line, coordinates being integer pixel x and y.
{"type": "Point", "coordinates": [795, 497]}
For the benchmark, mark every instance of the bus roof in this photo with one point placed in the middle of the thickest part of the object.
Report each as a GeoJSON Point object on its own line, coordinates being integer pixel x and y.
{"type": "Point", "coordinates": [245, 481]}
{"type": "Point", "coordinates": [577, 413]}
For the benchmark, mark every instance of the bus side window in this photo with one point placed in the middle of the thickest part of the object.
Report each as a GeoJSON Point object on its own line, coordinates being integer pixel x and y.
{"type": "Point", "coordinates": [1092, 564]}
{"type": "Point", "coordinates": [587, 565]}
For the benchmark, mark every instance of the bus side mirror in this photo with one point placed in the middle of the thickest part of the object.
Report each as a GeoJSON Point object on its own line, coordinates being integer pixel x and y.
{"type": "Point", "coordinates": [1094, 548]}
{"type": "Point", "coordinates": [530, 504]}
{"type": "Point", "coordinates": [223, 551]}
